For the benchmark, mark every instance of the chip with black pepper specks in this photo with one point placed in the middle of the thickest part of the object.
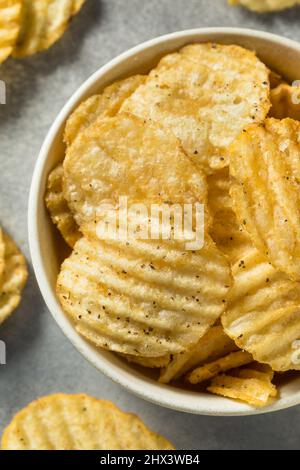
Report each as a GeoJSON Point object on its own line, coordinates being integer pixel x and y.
{"type": "Point", "coordinates": [78, 422]}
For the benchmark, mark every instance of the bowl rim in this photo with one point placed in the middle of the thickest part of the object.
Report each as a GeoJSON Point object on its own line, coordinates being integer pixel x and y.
{"type": "Point", "coordinates": [155, 392]}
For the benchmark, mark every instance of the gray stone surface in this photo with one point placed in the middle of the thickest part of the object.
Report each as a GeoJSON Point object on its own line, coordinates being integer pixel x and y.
{"type": "Point", "coordinates": [40, 359]}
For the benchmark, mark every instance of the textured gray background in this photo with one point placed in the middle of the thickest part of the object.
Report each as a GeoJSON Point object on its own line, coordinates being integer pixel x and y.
{"type": "Point", "coordinates": [40, 358]}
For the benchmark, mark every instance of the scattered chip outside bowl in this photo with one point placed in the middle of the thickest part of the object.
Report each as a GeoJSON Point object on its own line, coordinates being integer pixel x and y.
{"type": "Point", "coordinates": [78, 422]}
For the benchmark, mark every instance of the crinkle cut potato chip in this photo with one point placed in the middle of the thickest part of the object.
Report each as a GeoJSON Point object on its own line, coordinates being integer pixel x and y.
{"type": "Point", "coordinates": [124, 156]}
{"type": "Point", "coordinates": [265, 167]}
{"type": "Point", "coordinates": [206, 94]}
{"type": "Point", "coordinates": [210, 370]}
{"type": "Point", "coordinates": [13, 278]}
{"type": "Point", "coordinates": [58, 208]}
{"type": "Point", "coordinates": [106, 104]}
{"type": "Point", "coordinates": [78, 422]}
{"type": "Point", "coordinates": [254, 391]}
{"type": "Point", "coordinates": [143, 298]}
{"type": "Point", "coordinates": [150, 362]}
{"type": "Point", "coordinates": [264, 6]}
{"type": "Point", "coordinates": [262, 306]}
{"type": "Point", "coordinates": [10, 22]}
{"type": "Point", "coordinates": [263, 312]}
{"type": "Point", "coordinates": [213, 345]}
{"type": "Point", "coordinates": [285, 101]}
{"type": "Point", "coordinates": [43, 23]}
{"type": "Point", "coordinates": [219, 199]}
{"type": "Point", "coordinates": [229, 236]}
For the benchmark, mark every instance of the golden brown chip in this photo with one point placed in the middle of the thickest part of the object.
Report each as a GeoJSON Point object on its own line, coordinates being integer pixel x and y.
{"type": "Point", "coordinates": [13, 279]}
{"type": "Point", "coordinates": [255, 371]}
{"type": "Point", "coordinates": [43, 23]}
{"type": "Point", "coordinates": [230, 237]}
{"type": "Point", "coordinates": [10, 22]}
{"type": "Point", "coordinates": [265, 166]}
{"type": "Point", "coordinates": [264, 369]}
{"type": "Point", "coordinates": [106, 104]}
{"type": "Point", "coordinates": [253, 391]}
{"type": "Point", "coordinates": [150, 362]}
{"type": "Point", "coordinates": [213, 345]}
{"type": "Point", "coordinates": [262, 305]}
{"type": "Point", "coordinates": [263, 312]}
{"type": "Point", "coordinates": [206, 94]}
{"type": "Point", "coordinates": [78, 422]}
{"type": "Point", "coordinates": [208, 371]}
{"type": "Point", "coordinates": [144, 298]}
{"type": "Point", "coordinates": [58, 208]}
{"type": "Point", "coordinates": [124, 156]}
{"type": "Point", "coordinates": [257, 287]}
{"type": "Point", "coordinates": [219, 199]}
{"type": "Point", "coordinates": [263, 6]}
{"type": "Point", "coordinates": [285, 101]}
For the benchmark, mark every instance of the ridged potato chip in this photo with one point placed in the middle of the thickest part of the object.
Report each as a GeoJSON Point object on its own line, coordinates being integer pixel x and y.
{"type": "Point", "coordinates": [213, 345]}
{"type": "Point", "coordinates": [13, 278]}
{"type": "Point", "coordinates": [10, 23]}
{"type": "Point", "coordinates": [58, 208]}
{"type": "Point", "coordinates": [143, 298]}
{"type": "Point", "coordinates": [265, 167]}
{"type": "Point", "coordinates": [219, 199]}
{"type": "Point", "coordinates": [208, 371]}
{"type": "Point", "coordinates": [262, 305]}
{"type": "Point", "coordinates": [43, 23]}
{"type": "Point", "coordinates": [124, 156]}
{"type": "Point", "coordinates": [78, 422]}
{"type": "Point", "coordinates": [263, 6]}
{"type": "Point", "coordinates": [206, 94]}
{"type": "Point", "coordinates": [230, 237]}
{"type": "Point", "coordinates": [285, 101]}
{"type": "Point", "coordinates": [263, 302]}
{"type": "Point", "coordinates": [150, 362]}
{"type": "Point", "coordinates": [263, 312]}
{"type": "Point", "coordinates": [254, 391]}
{"type": "Point", "coordinates": [106, 104]}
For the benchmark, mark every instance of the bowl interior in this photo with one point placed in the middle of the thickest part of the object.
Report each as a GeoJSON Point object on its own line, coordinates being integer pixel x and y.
{"type": "Point", "coordinates": [48, 249]}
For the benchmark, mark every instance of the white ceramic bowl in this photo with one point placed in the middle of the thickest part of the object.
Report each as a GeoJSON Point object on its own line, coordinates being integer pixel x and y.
{"type": "Point", "coordinates": [278, 53]}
